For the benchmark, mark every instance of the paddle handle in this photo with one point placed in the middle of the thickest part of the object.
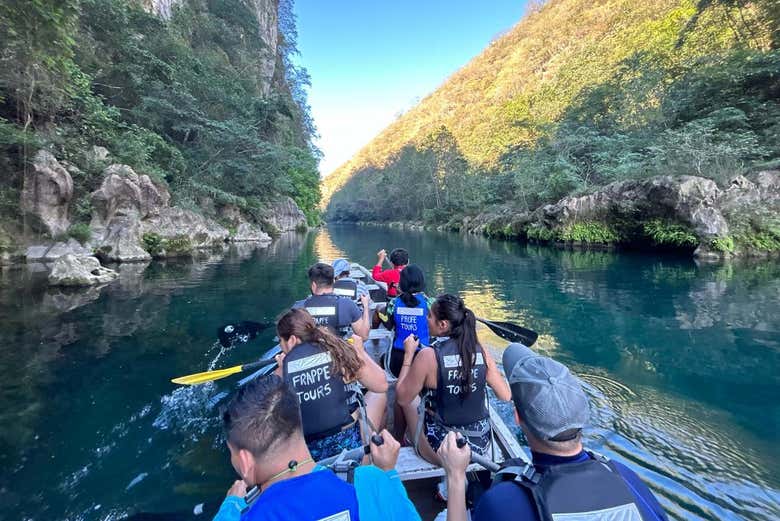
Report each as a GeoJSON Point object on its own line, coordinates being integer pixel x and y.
{"type": "Point", "coordinates": [476, 458]}
{"type": "Point", "coordinates": [258, 364]}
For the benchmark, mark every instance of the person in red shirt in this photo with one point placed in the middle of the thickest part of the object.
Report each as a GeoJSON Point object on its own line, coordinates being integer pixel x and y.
{"type": "Point", "coordinates": [399, 258]}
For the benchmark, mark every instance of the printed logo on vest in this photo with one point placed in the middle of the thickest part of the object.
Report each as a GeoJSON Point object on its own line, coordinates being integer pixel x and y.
{"type": "Point", "coordinates": [341, 516]}
{"type": "Point", "coordinates": [304, 364]}
{"type": "Point", "coordinates": [322, 311]}
{"type": "Point", "coordinates": [342, 292]}
{"type": "Point", "coordinates": [416, 312]}
{"type": "Point", "coordinates": [451, 361]}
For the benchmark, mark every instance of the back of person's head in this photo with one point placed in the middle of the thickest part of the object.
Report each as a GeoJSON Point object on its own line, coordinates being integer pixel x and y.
{"type": "Point", "coordinates": [412, 281]}
{"type": "Point", "coordinates": [399, 257]}
{"type": "Point", "coordinates": [321, 274]}
{"type": "Point", "coordinates": [262, 416]}
{"type": "Point", "coordinates": [549, 399]}
{"type": "Point", "coordinates": [463, 329]}
{"type": "Point", "coordinates": [300, 323]}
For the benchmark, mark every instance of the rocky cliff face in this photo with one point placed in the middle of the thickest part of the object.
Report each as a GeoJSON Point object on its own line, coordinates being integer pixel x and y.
{"type": "Point", "coordinates": [685, 212]}
{"type": "Point", "coordinates": [267, 14]}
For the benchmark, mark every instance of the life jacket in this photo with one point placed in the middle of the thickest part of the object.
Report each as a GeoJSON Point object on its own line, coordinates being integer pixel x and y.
{"type": "Point", "coordinates": [411, 321]}
{"type": "Point", "coordinates": [591, 490]}
{"type": "Point", "coordinates": [323, 395]}
{"type": "Point", "coordinates": [325, 311]}
{"type": "Point", "coordinates": [447, 405]}
{"type": "Point", "coordinates": [346, 288]}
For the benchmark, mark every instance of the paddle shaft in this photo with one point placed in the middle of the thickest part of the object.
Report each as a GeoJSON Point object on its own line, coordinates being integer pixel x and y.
{"type": "Point", "coordinates": [514, 333]}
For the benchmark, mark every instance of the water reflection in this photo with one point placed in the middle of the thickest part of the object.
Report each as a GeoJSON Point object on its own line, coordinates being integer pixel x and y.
{"type": "Point", "coordinates": [680, 360]}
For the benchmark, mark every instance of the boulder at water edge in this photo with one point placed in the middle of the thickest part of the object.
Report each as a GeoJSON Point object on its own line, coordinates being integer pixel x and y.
{"type": "Point", "coordinates": [79, 270]}
{"type": "Point", "coordinates": [48, 189]}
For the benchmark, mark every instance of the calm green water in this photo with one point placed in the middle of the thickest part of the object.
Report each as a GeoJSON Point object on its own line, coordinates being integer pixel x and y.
{"type": "Point", "coordinates": [681, 363]}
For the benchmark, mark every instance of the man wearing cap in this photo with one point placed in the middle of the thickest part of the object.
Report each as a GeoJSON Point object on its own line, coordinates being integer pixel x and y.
{"type": "Point", "coordinates": [345, 285]}
{"type": "Point", "coordinates": [565, 480]}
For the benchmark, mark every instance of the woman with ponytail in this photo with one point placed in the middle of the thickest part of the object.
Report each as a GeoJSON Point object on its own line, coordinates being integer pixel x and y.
{"type": "Point", "coordinates": [319, 366]}
{"type": "Point", "coordinates": [454, 373]}
{"type": "Point", "coordinates": [407, 314]}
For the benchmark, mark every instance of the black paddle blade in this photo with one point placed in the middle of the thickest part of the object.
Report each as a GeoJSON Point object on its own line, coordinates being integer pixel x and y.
{"type": "Point", "coordinates": [243, 332]}
{"type": "Point", "coordinates": [512, 332]}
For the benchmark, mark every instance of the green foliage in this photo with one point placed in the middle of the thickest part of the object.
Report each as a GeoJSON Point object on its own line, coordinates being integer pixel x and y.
{"type": "Point", "coordinates": [177, 245]}
{"type": "Point", "coordinates": [577, 96]}
{"type": "Point", "coordinates": [186, 101]}
{"type": "Point", "coordinates": [81, 232]}
{"type": "Point", "coordinates": [723, 244]}
{"type": "Point", "coordinates": [590, 232]}
{"type": "Point", "coordinates": [153, 244]}
{"type": "Point", "coordinates": [670, 234]}
{"type": "Point", "coordinates": [542, 233]}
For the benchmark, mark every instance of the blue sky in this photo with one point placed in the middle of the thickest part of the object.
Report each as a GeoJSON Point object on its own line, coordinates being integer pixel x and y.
{"type": "Point", "coordinates": [368, 60]}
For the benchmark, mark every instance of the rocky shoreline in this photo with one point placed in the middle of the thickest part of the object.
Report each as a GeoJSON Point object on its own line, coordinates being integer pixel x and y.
{"type": "Point", "coordinates": [686, 213]}
{"type": "Point", "coordinates": [132, 220]}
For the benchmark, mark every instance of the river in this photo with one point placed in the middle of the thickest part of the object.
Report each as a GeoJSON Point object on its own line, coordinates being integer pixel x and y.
{"type": "Point", "coordinates": [680, 361]}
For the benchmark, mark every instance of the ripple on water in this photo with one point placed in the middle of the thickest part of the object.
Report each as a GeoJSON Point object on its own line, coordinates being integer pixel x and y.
{"type": "Point", "coordinates": [694, 468]}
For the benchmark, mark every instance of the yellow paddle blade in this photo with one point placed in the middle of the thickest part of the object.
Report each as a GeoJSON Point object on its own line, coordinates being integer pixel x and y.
{"type": "Point", "coordinates": [382, 316]}
{"type": "Point", "coordinates": [207, 376]}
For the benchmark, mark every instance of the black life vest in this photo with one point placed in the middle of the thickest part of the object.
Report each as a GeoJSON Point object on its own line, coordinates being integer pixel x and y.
{"type": "Point", "coordinates": [325, 311]}
{"type": "Point", "coordinates": [591, 490]}
{"type": "Point", "coordinates": [323, 395]}
{"type": "Point", "coordinates": [450, 408]}
{"type": "Point", "coordinates": [346, 288]}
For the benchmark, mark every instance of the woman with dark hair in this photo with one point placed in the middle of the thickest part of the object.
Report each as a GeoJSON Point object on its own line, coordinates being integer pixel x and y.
{"type": "Point", "coordinates": [319, 367]}
{"type": "Point", "coordinates": [454, 373]}
{"type": "Point", "coordinates": [407, 314]}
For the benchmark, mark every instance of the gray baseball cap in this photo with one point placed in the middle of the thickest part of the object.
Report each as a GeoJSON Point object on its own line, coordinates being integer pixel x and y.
{"type": "Point", "coordinates": [549, 399]}
{"type": "Point", "coordinates": [340, 266]}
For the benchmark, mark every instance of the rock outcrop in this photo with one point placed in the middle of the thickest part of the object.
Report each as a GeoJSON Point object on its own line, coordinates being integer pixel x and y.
{"type": "Point", "coordinates": [684, 212]}
{"type": "Point", "coordinates": [79, 270]}
{"type": "Point", "coordinates": [242, 229]}
{"type": "Point", "coordinates": [172, 222]}
{"type": "Point", "coordinates": [283, 216]}
{"type": "Point", "coordinates": [50, 253]}
{"type": "Point", "coordinates": [48, 189]}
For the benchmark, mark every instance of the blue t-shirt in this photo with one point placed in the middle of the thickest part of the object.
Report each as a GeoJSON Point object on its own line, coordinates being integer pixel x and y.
{"type": "Point", "coordinates": [510, 501]}
{"type": "Point", "coordinates": [312, 497]}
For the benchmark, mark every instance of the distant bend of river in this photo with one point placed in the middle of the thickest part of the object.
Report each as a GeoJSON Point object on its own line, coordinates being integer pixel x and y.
{"type": "Point", "coordinates": [680, 361]}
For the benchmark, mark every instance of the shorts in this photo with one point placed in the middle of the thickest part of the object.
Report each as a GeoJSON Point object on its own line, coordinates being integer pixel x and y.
{"type": "Point", "coordinates": [332, 445]}
{"type": "Point", "coordinates": [435, 432]}
{"type": "Point", "coordinates": [397, 360]}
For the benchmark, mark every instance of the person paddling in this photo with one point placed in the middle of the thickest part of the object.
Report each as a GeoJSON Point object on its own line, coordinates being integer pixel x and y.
{"type": "Point", "coordinates": [279, 479]}
{"type": "Point", "coordinates": [344, 284]}
{"type": "Point", "coordinates": [565, 481]}
{"type": "Point", "coordinates": [328, 309]}
{"type": "Point", "coordinates": [407, 314]}
{"type": "Point", "coordinates": [454, 374]}
{"type": "Point", "coordinates": [318, 366]}
{"type": "Point", "coordinates": [399, 258]}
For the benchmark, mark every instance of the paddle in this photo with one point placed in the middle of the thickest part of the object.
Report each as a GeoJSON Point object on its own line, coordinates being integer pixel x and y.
{"type": "Point", "coordinates": [243, 331]}
{"type": "Point", "coordinates": [210, 376]}
{"type": "Point", "coordinates": [511, 332]}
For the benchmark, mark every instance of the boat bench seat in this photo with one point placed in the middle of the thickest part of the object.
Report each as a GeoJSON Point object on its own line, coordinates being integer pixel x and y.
{"type": "Point", "coordinates": [411, 466]}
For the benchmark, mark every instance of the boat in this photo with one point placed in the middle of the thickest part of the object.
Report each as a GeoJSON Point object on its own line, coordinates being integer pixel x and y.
{"type": "Point", "coordinates": [419, 476]}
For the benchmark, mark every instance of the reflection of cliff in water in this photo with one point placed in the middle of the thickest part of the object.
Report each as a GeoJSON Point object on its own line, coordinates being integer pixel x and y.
{"type": "Point", "coordinates": [44, 329]}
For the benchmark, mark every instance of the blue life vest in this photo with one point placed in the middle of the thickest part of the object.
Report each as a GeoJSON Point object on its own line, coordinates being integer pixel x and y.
{"type": "Point", "coordinates": [317, 496]}
{"type": "Point", "coordinates": [411, 321]}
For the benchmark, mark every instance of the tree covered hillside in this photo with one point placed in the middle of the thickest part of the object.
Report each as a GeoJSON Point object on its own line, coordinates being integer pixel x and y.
{"type": "Point", "coordinates": [579, 94]}
{"type": "Point", "coordinates": [206, 102]}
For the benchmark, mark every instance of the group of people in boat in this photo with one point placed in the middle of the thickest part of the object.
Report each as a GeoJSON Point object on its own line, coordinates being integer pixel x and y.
{"type": "Point", "coordinates": [329, 395]}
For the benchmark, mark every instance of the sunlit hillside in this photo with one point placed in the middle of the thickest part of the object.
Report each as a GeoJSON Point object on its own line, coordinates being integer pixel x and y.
{"type": "Point", "coordinates": [601, 68]}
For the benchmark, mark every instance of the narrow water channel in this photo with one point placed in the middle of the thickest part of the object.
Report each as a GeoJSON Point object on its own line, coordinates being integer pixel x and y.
{"type": "Point", "coordinates": [681, 363]}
